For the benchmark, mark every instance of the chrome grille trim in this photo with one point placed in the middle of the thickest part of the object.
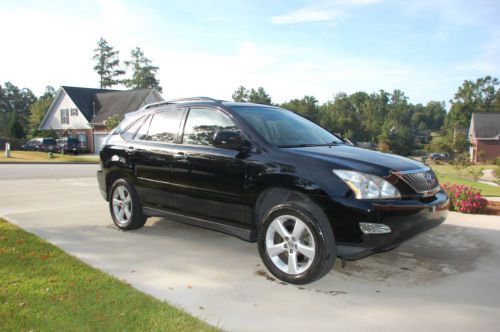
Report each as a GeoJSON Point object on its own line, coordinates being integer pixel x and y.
{"type": "Point", "coordinates": [418, 180]}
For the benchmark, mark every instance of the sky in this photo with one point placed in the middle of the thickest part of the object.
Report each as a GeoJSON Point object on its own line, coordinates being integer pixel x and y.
{"type": "Point", "coordinates": [426, 48]}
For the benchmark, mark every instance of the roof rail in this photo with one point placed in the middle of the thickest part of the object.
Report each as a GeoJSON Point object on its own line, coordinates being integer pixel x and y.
{"type": "Point", "coordinates": [185, 100]}
{"type": "Point", "coordinates": [180, 100]}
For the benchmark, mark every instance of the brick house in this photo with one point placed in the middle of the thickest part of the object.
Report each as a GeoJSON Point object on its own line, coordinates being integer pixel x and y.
{"type": "Point", "coordinates": [82, 112]}
{"type": "Point", "coordinates": [484, 136]}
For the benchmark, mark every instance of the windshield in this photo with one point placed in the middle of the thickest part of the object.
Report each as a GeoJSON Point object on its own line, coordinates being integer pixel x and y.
{"type": "Point", "coordinates": [284, 128]}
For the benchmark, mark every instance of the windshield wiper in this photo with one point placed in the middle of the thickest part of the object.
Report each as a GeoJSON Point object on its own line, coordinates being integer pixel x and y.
{"type": "Point", "coordinates": [332, 143]}
{"type": "Point", "coordinates": [304, 145]}
{"type": "Point", "coordinates": [297, 145]}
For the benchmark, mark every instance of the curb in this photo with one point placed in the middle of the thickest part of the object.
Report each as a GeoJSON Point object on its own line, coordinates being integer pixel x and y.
{"type": "Point", "coordinates": [47, 163]}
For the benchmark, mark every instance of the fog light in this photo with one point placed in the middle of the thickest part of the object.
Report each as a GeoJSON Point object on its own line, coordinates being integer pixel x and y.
{"type": "Point", "coordinates": [372, 228]}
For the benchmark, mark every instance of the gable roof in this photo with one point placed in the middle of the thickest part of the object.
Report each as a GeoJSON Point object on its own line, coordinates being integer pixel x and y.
{"type": "Point", "coordinates": [486, 125]}
{"type": "Point", "coordinates": [120, 103]}
{"type": "Point", "coordinates": [82, 97]}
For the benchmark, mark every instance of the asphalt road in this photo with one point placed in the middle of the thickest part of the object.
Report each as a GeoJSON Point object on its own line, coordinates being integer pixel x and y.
{"type": "Point", "coordinates": [446, 279]}
{"type": "Point", "coordinates": [46, 171]}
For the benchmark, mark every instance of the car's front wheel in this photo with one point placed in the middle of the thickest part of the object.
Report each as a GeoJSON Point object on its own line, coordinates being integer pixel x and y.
{"type": "Point", "coordinates": [124, 206]}
{"type": "Point", "coordinates": [296, 246]}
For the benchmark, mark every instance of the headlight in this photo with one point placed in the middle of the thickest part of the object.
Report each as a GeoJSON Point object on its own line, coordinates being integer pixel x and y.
{"type": "Point", "coordinates": [367, 186]}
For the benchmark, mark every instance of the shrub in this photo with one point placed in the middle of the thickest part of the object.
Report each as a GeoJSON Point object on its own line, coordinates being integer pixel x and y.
{"type": "Point", "coordinates": [497, 161]}
{"type": "Point", "coordinates": [465, 199]}
{"type": "Point", "coordinates": [481, 156]}
{"type": "Point", "coordinates": [460, 162]}
{"type": "Point", "coordinates": [476, 173]}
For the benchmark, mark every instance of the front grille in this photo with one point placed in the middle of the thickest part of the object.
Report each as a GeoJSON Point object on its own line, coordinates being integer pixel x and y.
{"type": "Point", "coordinates": [422, 181]}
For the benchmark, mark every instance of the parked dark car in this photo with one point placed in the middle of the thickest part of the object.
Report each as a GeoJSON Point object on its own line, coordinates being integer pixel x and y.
{"type": "Point", "coordinates": [68, 144]}
{"type": "Point", "coordinates": [40, 144]}
{"type": "Point", "coordinates": [439, 156]}
{"type": "Point", "coordinates": [266, 175]}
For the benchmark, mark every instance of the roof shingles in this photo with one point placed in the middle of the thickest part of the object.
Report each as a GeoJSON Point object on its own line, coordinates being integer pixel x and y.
{"type": "Point", "coordinates": [486, 125]}
{"type": "Point", "coordinates": [97, 105]}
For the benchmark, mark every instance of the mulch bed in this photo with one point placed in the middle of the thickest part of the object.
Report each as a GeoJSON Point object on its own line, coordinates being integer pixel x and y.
{"type": "Point", "coordinates": [493, 209]}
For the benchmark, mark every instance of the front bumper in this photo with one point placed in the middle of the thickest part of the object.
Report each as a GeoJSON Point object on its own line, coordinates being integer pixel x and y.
{"type": "Point", "coordinates": [406, 218]}
{"type": "Point", "coordinates": [101, 180]}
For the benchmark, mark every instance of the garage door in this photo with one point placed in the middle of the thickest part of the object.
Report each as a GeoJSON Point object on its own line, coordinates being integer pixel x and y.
{"type": "Point", "coordinates": [98, 140]}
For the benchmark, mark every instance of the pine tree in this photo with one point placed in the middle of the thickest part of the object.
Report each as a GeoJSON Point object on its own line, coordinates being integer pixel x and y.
{"type": "Point", "coordinates": [143, 72]}
{"type": "Point", "coordinates": [107, 64]}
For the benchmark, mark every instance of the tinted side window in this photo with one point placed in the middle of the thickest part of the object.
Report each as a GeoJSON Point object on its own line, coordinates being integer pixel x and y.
{"type": "Point", "coordinates": [165, 126]}
{"type": "Point", "coordinates": [129, 133]}
{"type": "Point", "coordinates": [202, 124]}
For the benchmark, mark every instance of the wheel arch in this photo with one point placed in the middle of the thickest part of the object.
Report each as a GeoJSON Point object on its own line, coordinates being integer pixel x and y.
{"type": "Point", "coordinates": [112, 176]}
{"type": "Point", "coordinates": [273, 196]}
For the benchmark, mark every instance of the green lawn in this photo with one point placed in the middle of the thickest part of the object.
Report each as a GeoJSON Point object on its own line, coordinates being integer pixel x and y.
{"type": "Point", "coordinates": [33, 156]}
{"type": "Point", "coordinates": [448, 173]}
{"type": "Point", "coordinates": [44, 289]}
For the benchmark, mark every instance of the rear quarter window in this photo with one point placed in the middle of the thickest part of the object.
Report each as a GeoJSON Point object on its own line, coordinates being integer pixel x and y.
{"type": "Point", "coordinates": [129, 133]}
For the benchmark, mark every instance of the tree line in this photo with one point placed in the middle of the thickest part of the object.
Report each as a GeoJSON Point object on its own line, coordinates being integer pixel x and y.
{"type": "Point", "coordinates": [389, 120]}
{"type": "Point", "coordinates": [386, 119]}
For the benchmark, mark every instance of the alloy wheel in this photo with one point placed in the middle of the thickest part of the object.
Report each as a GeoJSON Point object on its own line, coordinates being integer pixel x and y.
{"type": "Point", "coordinates": [290, 244]}
{"type": "Point", "coordinates": [122, 205]}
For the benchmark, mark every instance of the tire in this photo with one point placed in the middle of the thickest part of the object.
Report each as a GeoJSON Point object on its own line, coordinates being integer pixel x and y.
{"type": "Point", "coordinates": [300, 259]}
{"type": "Point", "coordinates": [125, 207]}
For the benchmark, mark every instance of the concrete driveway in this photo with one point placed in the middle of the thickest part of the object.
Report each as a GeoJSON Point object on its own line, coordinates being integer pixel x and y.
{"type": "Point", "coordinates": [447, 279]}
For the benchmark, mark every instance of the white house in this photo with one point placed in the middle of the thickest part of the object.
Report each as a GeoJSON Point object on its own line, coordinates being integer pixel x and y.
{"type": "Point", "coordinates": [82, 112]}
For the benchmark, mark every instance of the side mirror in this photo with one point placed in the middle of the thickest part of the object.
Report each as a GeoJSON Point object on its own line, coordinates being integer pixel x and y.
{"type": "Point", "coordinates": [231, 140]}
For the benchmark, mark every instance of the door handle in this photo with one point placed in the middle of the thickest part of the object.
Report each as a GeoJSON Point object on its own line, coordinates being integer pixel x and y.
{"type": "Point", "coordinates": [180, 156]}
{"type": "Point", "coordinates": [130, 150]}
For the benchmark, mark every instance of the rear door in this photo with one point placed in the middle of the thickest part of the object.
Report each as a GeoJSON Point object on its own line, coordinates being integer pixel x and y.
{"type": "Point", "coordinates": [151, 153]}
{"type": "Point", "coordinates": [208, 181]}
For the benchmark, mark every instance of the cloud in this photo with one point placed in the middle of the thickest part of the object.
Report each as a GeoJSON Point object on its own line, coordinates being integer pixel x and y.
{"type": "Point", "coordinates": [252, 65]}
{"type": "Point", "coordinates": [307, 15]}
{"type": "Point", "coordinates": [329, 11]}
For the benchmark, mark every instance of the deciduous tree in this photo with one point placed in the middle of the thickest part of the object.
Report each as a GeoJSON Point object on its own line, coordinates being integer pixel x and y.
{"type": "Point", "coordinates": [478, 96]}
{"type": "Point", "coordinates": [39, 108]}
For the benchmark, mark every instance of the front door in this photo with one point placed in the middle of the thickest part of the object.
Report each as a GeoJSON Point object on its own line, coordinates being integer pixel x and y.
{"type": "Point", "coordinates": [209, 181]}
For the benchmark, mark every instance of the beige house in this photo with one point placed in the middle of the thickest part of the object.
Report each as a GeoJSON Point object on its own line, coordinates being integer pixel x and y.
{"type": "Point", "coordinates": [82, 112]}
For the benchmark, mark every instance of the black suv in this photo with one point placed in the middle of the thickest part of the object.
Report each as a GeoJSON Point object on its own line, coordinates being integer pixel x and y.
{"type": "Point", "coordinates": [68, 144]}
{"type": "Point", "coordinates": [266, 175]}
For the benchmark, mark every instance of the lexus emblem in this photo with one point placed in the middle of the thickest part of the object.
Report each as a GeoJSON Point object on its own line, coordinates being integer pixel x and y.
{"type": "Point", "coordinates": [429, 178]}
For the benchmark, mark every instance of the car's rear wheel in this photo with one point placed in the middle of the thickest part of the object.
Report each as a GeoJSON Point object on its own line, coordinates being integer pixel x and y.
{"type": "Point", "coordinates": [296, 246]}
{"type": "Point", "coordinates": [125, 207]}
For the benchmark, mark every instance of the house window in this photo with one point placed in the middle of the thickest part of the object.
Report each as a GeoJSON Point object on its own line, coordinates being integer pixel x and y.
{"type": "Point", "coordinates": [74, 112]}
{"type": "Point", "coordinates": [64, 116]}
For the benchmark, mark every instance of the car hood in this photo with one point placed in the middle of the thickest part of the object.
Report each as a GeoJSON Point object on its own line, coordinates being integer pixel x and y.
{"type": "Point", "coordinates": [350, 157]}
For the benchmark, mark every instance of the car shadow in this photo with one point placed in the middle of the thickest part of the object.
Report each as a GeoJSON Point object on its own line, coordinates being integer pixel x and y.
{"type": "Point", "coordinates": [444, 251]}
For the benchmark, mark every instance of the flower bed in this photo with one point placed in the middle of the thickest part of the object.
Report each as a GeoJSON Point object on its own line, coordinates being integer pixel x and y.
{"type": "Point", "coordinates": [465, 199]}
